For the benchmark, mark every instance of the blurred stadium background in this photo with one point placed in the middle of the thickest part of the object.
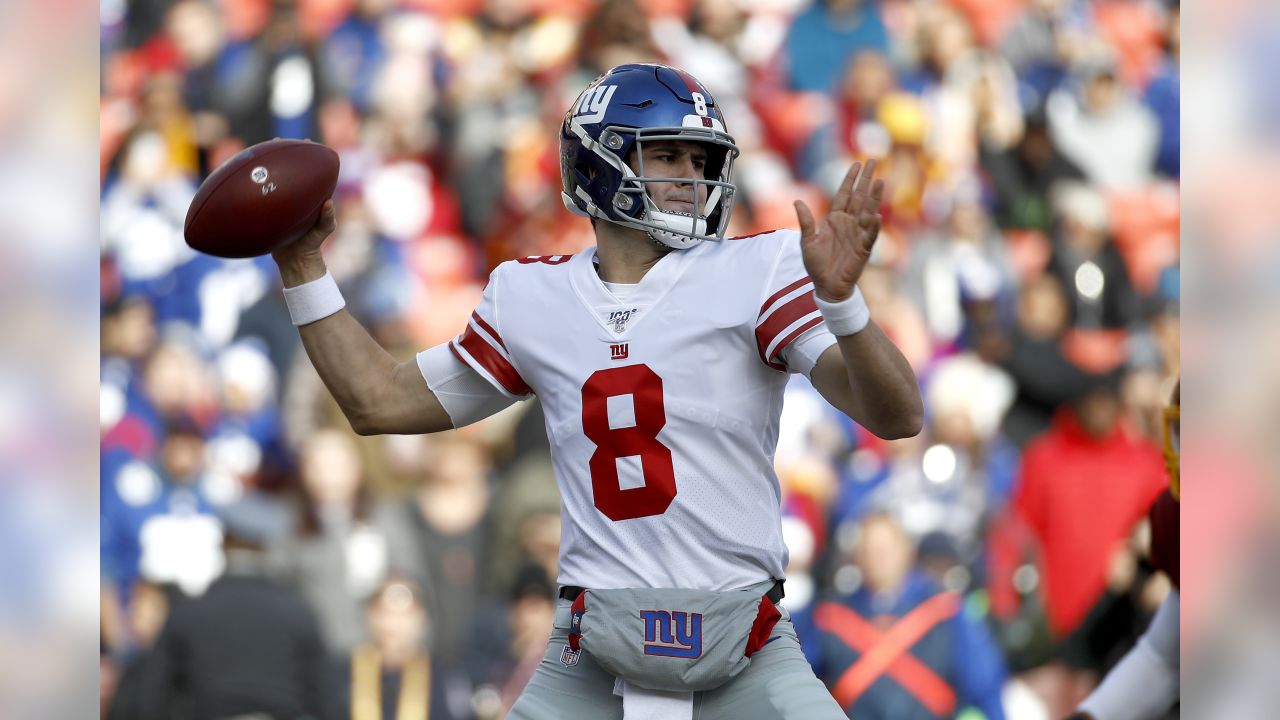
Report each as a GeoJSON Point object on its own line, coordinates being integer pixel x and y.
{"type": "Point", "coordinates": [1029, 270]}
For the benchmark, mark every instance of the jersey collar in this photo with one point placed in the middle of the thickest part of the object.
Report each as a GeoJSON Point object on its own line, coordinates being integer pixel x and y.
{"type": "Point", "coordinates": [653, 287]}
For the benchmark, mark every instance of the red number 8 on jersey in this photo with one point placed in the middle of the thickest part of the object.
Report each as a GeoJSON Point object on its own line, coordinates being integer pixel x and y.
{"type": "Point", "coordinates": [659, 489]}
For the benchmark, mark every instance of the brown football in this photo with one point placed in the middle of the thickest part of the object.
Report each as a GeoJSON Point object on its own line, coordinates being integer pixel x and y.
{"type": "Point", "coordinates": [263, 198]}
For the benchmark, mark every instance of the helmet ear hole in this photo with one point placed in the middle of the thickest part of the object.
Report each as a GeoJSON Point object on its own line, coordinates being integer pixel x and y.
{"type": "Point", "coordinates": [715, 161]}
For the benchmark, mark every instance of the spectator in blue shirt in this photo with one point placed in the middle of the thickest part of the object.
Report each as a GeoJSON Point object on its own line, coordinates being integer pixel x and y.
{"type": "Point", "coordinates": [157, 521]}
{"type": "Point", "coordinates": [825, 36]}
{"type": "Point", "coordinates": [1164, 97]}
{"type": "Point", "coordinates": [900, 646]}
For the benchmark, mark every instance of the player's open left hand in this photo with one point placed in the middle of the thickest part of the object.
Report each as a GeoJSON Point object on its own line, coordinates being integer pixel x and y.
{"type": "Point", "coordinates": [836, 251]}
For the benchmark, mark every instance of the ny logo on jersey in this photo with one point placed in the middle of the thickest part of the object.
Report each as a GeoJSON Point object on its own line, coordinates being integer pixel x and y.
{"type": "Point", "coordinates": [594, 103]}
{"type": "Point", "coordinates": [675, 634]}
{"type": "Point", "coordinates": [619, 352]}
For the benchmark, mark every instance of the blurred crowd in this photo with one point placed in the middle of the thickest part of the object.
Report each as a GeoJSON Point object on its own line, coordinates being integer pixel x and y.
{"type": "Point", "coordinates": [255, 549]}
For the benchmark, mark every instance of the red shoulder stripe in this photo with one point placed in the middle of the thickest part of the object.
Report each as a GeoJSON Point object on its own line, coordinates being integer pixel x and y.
{"type": "Point", "coordinates": [808, 325]}
{"type": "Point", "coordinates": [782, 318]}
{"type": "Point", "coordinates": [488, 328]}
{"type": "Point", "coordinates": [491, 360]}
{"type": "Point", "coordinates": [773, 298]}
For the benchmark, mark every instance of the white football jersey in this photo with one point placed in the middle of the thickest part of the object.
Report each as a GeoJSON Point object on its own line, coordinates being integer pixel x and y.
{"type": "Point", "coordinates": [661, 409]}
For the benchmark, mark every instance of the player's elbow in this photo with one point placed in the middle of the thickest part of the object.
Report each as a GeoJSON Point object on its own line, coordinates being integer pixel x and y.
{"type": "Point", "coordinates": [904, 425]}
{"type": "Point", "coordinates": [363, 426]}
{"type": "Point", "coordinates": [898, 432]}
{"type": "Point", "coordinates": [387, 419]}
{"type": "Point", "coordinates": [365, 423]}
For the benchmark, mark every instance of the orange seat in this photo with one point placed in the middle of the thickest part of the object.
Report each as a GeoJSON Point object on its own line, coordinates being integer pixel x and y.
{"type": "Point", "coordinates": [1134, 30]}
{"type": "Point", "coordinates": [1029, 251]}
{"type": "Point", "coordinates": [1144, 225]}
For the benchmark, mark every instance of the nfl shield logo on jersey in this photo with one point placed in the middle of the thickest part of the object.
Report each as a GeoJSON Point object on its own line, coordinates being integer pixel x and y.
{"type": "Point", "coordinates": [569, 656]}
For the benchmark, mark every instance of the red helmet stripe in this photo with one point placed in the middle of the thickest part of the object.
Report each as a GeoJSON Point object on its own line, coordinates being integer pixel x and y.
{"type": "Point", "coordinates": [689, 82]}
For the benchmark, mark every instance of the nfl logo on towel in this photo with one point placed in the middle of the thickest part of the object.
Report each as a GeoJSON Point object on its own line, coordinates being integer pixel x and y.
{"type": "Point", "coordinates": [569, 656]}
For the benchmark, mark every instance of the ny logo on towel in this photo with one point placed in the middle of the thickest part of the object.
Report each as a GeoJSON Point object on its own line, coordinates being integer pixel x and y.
{"type": "Point", "coordinates": [672, 634]}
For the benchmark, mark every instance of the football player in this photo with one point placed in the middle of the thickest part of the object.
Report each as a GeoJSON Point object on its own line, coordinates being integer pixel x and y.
{"type": "Point", "coordinates": [660, 356]}
{"type": "Point", "coordinates": [1145, 683]}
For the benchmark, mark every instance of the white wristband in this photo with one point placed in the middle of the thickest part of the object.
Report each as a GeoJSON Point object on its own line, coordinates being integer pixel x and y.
{"type": "Point", "coordinates": [315, 300]}
{"type": "Point", "coordinates": [847, 316]}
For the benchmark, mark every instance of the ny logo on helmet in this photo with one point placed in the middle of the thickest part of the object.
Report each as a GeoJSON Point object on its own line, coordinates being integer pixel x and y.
{"type": "Point", "coordinates": [594, 104]}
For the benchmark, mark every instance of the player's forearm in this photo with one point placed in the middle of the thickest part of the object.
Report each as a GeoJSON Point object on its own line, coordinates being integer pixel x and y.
{"type": "Point", "coordinates": [376, 393]}
{"type": "Point", "coordinates": [881, 393]}
{"type": "Point", "coordinates": [351, 364]}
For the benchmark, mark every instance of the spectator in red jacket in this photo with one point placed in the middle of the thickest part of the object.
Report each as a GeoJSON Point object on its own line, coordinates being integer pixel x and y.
{"type": "Point", "coordinates": [1083, 486]}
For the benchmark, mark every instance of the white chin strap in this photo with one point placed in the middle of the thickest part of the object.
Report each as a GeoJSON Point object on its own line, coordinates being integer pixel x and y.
{"type": "Point", "coordinates": [674, 226]}
{"type": "Point", "coordinates": [682, 223]}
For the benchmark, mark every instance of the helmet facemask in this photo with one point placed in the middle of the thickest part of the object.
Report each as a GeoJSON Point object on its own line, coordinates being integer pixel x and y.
{"type": "Point", "coordinates": [672, 228]}
{"type": "Point", "coordinates": [632, 204]}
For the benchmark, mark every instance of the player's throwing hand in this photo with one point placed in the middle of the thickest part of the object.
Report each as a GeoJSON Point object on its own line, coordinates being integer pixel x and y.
{"type": "Point", "coordinates": [836, 251]}
{"type": "Point", "coordinates": [311, 241]}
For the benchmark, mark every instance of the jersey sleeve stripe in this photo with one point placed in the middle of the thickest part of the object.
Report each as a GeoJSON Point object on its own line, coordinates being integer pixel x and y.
{"type": "Point", "coordinates": [781, 319]}
{"type": "Point", "coordinates": [488, 328]}
{"type": "Point", "coordinates": [475, 351]}
{"type": "Point", "coordinates": [807, 324]}
{"type": "Point", "coordinates": [778, 295]}
{"type": "Point", "coordinates": [778, 305]}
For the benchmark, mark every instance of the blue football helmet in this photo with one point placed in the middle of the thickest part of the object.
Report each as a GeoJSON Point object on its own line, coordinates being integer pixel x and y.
{"type": "Point", "coordinates": [620, 111]}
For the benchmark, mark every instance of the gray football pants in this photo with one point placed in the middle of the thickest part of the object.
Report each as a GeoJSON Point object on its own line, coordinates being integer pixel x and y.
{"type": "Point", "coordinates": [777, 684]}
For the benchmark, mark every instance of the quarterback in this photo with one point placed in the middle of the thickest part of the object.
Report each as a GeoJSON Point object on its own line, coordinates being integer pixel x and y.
{"type": "Point", "coordinates": [660, 356]}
